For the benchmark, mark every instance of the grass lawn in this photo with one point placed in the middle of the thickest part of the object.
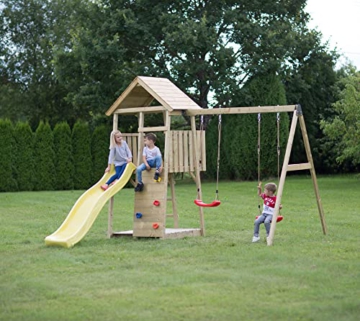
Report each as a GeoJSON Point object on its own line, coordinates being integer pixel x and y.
{"type": "Point", "coordinates": [305, 275]}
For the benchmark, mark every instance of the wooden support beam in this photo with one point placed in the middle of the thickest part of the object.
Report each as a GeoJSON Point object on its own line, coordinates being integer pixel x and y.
{"type": "Point", "coordinates": [298, 167]}
{"type": "Point", "coordinates": [282, 178]}
{"type": "Point", "coordinates": [110, 217]}
{"type": "Point", "coordinates": [153, 129]}
{"type": "Point", "coordinates": [241, 110]}
{"type": "Point", "coordinates": [140, 139]}
{"type": "Point", "coordinates": [135, 110]}
{"type": "Point", "coordinates": [312, 171]}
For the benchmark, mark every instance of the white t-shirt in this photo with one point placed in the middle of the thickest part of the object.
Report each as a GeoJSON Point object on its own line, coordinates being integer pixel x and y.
{"type": "Point", "coordinates": [151, 153]}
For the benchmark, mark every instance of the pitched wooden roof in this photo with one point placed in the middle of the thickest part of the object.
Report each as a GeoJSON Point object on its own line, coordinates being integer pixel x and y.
{"type": "Point", "coordinates": [143, 90]}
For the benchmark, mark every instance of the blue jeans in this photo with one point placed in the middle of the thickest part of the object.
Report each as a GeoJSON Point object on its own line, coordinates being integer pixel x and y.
{"type": "Point", "coordinates": [263, 218]}
{"type": "Point", "coordinates": [153, 163]}
{"type": "Point", "coordinates": [118, 172]}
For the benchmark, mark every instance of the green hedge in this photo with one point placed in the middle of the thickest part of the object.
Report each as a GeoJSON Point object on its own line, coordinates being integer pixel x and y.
{"type": "Point", "coordinates": [7, 157]}
{"type": "Point", "coordinates": [24, 156]}
{"type": "Point", "coordinates": [64, 163]}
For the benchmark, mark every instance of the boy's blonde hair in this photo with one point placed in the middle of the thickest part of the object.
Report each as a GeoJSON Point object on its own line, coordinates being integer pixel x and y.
{"type": "Point", "coordinates": [112, 138]}
{"type": "Point", "coordinates": [271, 187]}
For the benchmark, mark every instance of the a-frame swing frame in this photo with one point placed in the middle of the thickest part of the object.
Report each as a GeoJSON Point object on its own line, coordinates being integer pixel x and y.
{"type": "Point", "coordinates": [297, 116]}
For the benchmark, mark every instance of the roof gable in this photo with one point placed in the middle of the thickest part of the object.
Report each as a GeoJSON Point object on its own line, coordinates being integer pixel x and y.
{"type": "Point", "coordinates": [143, 90]}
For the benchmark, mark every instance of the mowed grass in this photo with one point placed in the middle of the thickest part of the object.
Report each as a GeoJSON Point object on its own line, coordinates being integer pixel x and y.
{"type": "Point", "coordinates": [305, 275]}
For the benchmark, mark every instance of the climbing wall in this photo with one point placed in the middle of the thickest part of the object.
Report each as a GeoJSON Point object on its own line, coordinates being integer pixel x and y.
{"type": "Point", "coordinates": [150, 207]}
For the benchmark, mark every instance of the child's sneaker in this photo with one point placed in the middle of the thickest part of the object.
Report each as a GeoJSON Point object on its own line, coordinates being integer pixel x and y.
{"type": "Point", "coordinates": [157, 177]}
{"type": "Point", "coordinates": [255, 239]}
{"type": "Point", "coordinates": [104, 187]}
{"type": "Point", "coordinates": [139, 187]}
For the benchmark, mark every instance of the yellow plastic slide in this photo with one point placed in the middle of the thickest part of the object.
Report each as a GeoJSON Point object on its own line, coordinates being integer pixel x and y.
{"type": "Point", "coordinates": [86, 209]}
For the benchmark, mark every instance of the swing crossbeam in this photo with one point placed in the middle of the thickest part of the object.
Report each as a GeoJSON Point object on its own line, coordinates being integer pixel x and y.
{"type": "Point", "coordinates": [241, 110]}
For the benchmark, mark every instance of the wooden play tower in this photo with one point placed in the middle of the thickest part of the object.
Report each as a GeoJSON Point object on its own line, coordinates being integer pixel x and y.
{"type": "Point", "coordinates": [184, 152]}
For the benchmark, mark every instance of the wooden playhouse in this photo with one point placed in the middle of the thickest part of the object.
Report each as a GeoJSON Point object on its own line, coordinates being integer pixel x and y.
{"type": "Point", "coordinates": [184, 152]}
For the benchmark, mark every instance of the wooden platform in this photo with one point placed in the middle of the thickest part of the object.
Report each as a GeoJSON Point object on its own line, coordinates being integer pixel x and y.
{"type": "Point", "coordinates": [170, 233]}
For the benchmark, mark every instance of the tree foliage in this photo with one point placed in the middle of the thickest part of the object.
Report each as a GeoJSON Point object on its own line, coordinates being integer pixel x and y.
{"type": "Point", "coordinates": [31, 32]}
{"type": "Point", "coordinates": [63, 157]}
{"type": "Point", "coordinates": [344, 128]}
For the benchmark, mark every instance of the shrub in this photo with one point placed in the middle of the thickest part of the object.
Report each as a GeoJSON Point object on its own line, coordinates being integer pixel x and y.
{"type": "Point", "coordinates": [82, 155]}
{"type": "Point", "coordinates": [63, 157]}
{"type": "Point", "coordinates": [44, 156]}
{"type": "Point", "coordinates": [99, 151]}
{"type": "Point", "coordinates": [7, 156]}
{"type": "Point", "coordinates": [24, 156]}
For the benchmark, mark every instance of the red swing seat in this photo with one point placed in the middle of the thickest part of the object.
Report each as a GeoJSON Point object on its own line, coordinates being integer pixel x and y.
{"type": "Point", "coordinates": [212, 204]}
{"type": "Point", "coordinates": [278, 219]}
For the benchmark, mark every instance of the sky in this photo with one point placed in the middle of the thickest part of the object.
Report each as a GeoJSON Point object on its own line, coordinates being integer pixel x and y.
{"type": "Point", "coordinates": [339, 22]}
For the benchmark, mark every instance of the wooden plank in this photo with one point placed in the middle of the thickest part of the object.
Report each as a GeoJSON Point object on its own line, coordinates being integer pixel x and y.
{"type": "Point", "coordinates": [110, 217]}
{"type": "Point", "coordinates": [115, 122]}
{"type": "Point", "coordinates": [241, 110]}
{"type": "Point", "coordinates": [171, 148]}
{"type": "Point", "coordinates": [181, 233]}
{"type": "Point", "coordinates": [282, 178]}
{"type": "Point", "coordinates": [153, 129]}
{"type": "Point", "coordinates": [203, 150]}
{"type": "Point", "coordinates": [135, 110]}
{"type": "Point", "coordinates": [134, 144]}
{"type": "Point", "coordinates": [140, 140]}
{"type": "Point", "coordinates": [313, 173]}
{"type": "Point", "coordinates": [149, 218]}
{"type": "Point", "coordinates": [175, 151]}
{"type": "Point", "coordinates": [191, 154]}
{"type": "Point", "coordinates": [298, 167]}
{"type": "Point", "coordinates": [186, 150]}
{"type": "Point", "coordinates": [173, 200]}
{"type": "Point", "coordinates": [181, 151]}
{"type": "Point", "coordinates": [145, 229]}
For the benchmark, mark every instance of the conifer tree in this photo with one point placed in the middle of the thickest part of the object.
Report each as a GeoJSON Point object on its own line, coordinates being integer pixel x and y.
{"type": "Point", "coordinates": [24, 159]}
{"type": "Point", "coordinates": [63, 157]}
{"type": "Point", "coordinates": [44, 156]}
{"type": "Point", "coordinates": [81, 141]}
{"type": "Point", "coordinates": [7, 153]}
{"type": "Point", "coordinates": [100, 151]}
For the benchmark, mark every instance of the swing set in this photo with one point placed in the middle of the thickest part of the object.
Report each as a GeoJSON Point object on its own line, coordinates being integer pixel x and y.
{"type": "Point", "coordinates": [216, 202]}
{"type": "Point", "coordinates": [297, 116]}
{"type": "Point", "coordinates": [280, 217]}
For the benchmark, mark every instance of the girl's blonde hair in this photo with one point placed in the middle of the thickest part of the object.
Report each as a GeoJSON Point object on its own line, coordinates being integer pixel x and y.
{"type": "Point", "coordinates": [112, 138]}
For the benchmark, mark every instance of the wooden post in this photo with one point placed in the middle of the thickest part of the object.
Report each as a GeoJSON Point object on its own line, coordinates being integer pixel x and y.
{"type": "Point", "coordinates": [197, 173]}
{"type": "Point", "coordinates": [140, 139]}
{"type": "Point", "coordinates": [110, 217]}
{"type": "Point", "coordinates": [312, 171]}
{"type": "Point", "coordinates": [282, 177]}
{"type": "Point", "coordinates": [115, 122]}
{"type": "Point", "coordinates": [166, 155]}
{"type": "Point", "coordinates": [111, 201]}
{"type": "Point", "coordinates": [173, 200]}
